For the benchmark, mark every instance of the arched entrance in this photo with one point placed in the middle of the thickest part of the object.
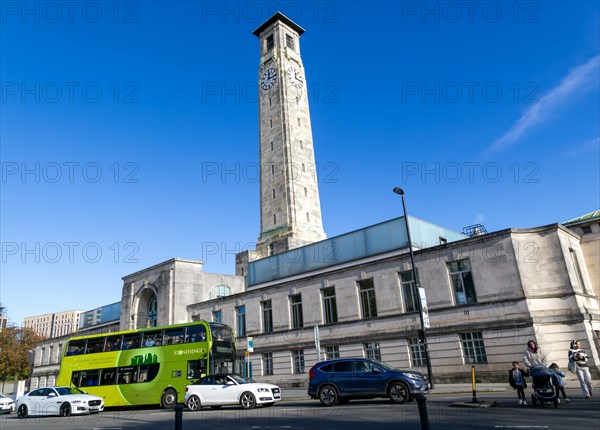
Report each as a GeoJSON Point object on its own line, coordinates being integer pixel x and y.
{"type": "Point", "coordinates": [147, 309]}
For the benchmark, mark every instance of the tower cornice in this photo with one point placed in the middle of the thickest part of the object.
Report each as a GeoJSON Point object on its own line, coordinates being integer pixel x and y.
{"type": "Point", "coordinates": [278, 17]}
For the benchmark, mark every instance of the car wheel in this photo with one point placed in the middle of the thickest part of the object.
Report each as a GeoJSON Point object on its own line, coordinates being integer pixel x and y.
{"type": "Point", "coordinates": [65, 410]}
{"type": "Point", "coordinates": [398, 392]}
{"type": "Point", "coordinates": [216, 407]}
{"type": "Point", "coordinates": [168, 399]}
{"type": "Point", "coordinates": [22, 412]}
{"type": "Point", "coordinates": [328, 395]}
{"type": "Point", "coordinates": [193, 403]}
{"type": "Point", "coordinates": [247, 400]}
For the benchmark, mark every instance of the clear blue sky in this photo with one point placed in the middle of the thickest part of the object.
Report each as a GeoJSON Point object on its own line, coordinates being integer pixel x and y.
{"type": "Point", "coordinates": [132, 131]}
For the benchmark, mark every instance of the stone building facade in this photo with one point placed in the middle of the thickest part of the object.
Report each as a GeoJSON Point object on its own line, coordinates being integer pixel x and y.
{"type": "Point", "coordinates": [487, 296]}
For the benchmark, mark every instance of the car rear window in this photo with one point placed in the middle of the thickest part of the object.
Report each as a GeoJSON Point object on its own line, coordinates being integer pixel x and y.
{"type": "Point", "coordinates": [327, 368]}
{"type": "Point", "coordinates": [342, 366]}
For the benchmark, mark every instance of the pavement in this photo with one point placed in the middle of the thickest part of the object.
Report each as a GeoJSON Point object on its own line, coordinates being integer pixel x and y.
{"type": "Point", "coordinates": [296, 394]}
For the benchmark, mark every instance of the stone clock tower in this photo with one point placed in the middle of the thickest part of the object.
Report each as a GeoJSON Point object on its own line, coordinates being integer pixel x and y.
{"type": "Point", "coordinates": [290, 211]}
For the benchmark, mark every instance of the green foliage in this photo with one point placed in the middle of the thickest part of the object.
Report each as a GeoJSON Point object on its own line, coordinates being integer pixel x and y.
{"type": "Point", "coordinates": [15, 344]}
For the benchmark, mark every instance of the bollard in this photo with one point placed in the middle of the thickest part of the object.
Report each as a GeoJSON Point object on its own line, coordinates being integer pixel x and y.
{"type": "Point", "coordinates": [423, 417]}
{"type": "Point", "coordinates": [473, 385]}
{"type": "Point", "coordinates": [178, 416]}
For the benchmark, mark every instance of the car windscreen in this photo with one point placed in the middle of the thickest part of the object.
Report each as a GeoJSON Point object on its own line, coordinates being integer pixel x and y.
{"type": "Point", "coordinates": [65, 391]}
{"type": "Point", "coordinates": [241, 379]}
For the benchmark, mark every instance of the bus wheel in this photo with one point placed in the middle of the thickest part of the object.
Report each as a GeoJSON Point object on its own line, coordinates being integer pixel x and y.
{"type": "Point", "coordinates": [247, 400]}
{"type": "Point", "coordinates": [65, 410]}
{"type": "Point", "coordinates": [193, 403]}
{"type": "Point", "coordinates": [22, 412]}
{"type": "Point", "coordinates": [168, 399]}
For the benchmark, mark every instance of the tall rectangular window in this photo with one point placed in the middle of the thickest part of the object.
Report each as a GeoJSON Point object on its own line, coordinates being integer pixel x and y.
{"type": "Point", "coordinates": [289, 41]}
{"type": "Point", "coordinates": [409, 290]}
{"type": "Point", "coordinates": [329, 305]}
{"type": "Point", "coordinates": [417, 352]}
{"type": "Point", "coordinates": [240, 320]}
{"type": "Point", "coordinates": [267, 359]}
{"type": "Point", "coordinates": [473, 347]}
{"type": "Point", "coordinates": [267, 316]}
{"type": "Point", "coordinates": [367, 298]}
{"type": "Point", "coordinates": [462, 281]}
{"type": "Point", "coordinates": [298, 360]}
{"type": "Point", "coordinates": [372, 350]}
{"type": "Point", "coordinates": [270, 42]}
{"type": "Point", "coordinates": [296, 311]}
{"type": "Point", "coordinates": [332, 352]}
{"type": "Point", "coordinates": [217, 316]}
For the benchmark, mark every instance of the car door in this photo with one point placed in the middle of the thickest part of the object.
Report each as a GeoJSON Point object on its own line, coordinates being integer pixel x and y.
{"type": "Point", "coordinates": [369, 379]}
{"type": "Point", "coordinates": [342, 376]}
{"type": "Point", "coordinates": [222, 391]}
{"type": "Point", "coordinates": [32, 401]}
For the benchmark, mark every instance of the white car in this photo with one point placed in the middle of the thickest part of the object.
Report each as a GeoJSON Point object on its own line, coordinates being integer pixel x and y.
{"type": "Point", "coordinates": [6, 405]}
{"type": "Point", "coordinates": [62, 401]}
{"type": "Point", "coordinates": [229, 389]}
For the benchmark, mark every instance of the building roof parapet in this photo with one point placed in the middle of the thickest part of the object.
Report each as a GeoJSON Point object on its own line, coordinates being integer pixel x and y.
{"type": "Point", "coordinates": [164, 263]}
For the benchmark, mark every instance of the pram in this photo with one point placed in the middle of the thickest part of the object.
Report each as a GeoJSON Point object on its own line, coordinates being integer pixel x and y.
{"type": "Point", "coordinates": [543, 389]}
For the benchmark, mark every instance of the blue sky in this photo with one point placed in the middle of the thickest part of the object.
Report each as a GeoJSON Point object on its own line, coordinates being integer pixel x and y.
{"type": "Point", "coordinates": [129, 130]}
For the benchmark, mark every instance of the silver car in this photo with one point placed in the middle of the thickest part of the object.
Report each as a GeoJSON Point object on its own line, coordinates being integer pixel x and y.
{"type": "Point", "coordinates": [6, 405]}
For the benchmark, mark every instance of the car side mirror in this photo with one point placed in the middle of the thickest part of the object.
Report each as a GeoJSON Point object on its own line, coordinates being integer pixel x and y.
{"type": "Point", "coordinates": [52, 395]}
{"type": "Point", "coordinates": [376, 370]}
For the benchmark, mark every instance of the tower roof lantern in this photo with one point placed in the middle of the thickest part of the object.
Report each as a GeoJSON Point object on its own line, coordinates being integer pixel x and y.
{"type": "Point", "coordinates": [278, 17]}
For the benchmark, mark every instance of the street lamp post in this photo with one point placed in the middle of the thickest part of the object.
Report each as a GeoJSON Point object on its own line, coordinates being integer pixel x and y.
{"type": "Point", "coordinates": [400, 191]}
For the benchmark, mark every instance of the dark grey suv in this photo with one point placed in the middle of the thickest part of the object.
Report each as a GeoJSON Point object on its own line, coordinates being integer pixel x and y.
{"type": "Point", "coordinates": [342, 379]}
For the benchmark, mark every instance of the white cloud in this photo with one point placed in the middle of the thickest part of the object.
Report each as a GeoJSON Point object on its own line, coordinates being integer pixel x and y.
{"type": "Point", "coordinates": [577, 80]}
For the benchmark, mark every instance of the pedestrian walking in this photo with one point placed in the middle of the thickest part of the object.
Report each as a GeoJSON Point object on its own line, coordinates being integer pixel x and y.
{"type": "Point", "coordinates": [578, 362]}
{"type": "Point", "coordinates": [516, 379]}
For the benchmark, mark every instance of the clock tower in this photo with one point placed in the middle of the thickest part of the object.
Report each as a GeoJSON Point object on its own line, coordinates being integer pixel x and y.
{"type": "Point", "coordinates": [290, 211]}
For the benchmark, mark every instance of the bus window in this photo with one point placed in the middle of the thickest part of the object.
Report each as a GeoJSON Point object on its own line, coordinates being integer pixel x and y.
{"type": "Point", "coordinates": [94, 345]}
{"type": "Point", "coordinates": [173, 336]}
{"type": "Point", "coordinates": [131, 341]}
{"type": "Point", "coordinates": [196, 369]}
{"type": "Point", "coordinates": [195, 333]}
{"type": "Point", "coordinates": [221, 333]}
{"type": "Point", "coordinates": [75, 347]}
{"type": "Point", "coordinates": [152, 338]}
{"type": "Point", "coordinates": [75, 378]}
{"type": "Point", "coordinates": [127, 375]}
{"type": "Point", "coordinates": [148, 372]}
{"type": "Point", "coordinates": [109, 376]}
{"type": "Point", "coordinates": [89, 378]}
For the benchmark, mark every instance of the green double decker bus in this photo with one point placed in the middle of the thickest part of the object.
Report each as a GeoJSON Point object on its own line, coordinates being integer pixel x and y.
{"type": "Point", "coordinates": [147, 366]}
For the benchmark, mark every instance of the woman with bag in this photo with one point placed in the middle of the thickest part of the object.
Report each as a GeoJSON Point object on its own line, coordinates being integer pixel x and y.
{"type": "Point", "coordinates": [578, 364]}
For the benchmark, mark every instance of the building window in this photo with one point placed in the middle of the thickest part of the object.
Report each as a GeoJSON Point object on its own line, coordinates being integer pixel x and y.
{"type": "Point", "coordinates": [273, 193]}
{"type": "Point", "coordinates": [586, 229]}
{"type": "Point", "coordinates": [220, 291]}
{"type": "Point", "coordinates": [303, 167]}
{"type": "Point", "coordinates": [240, 320]}
{"type": "Point", "coordinates": [272, 165]}
{"type": "Point", "coordinates": [473, 347]}
{"type": "Point", "coordinates": [417, 352]}
{"type": "Point", "coordinates": [577, 267]}
{"type": "Point", "coordinates": [270, 101]}
{"type": "Point", "coordinates": [267, 315]}
{"type": "Point", "coordinates": [305, 192]}
{"type": "Point", "coordinates": [329, 305]}
{"type": "Point", "coordinates": [443, 240]}
{"type": "Point", "coordinates": [298, 359]}
{"type": "Point", "coordinates": [296, 311]}
{"type": "Point", "coordinates": [289, 41]}
{"type": "Point", "coordinates": [367, 298]}
{"type": "Point", "coordinates": [274, 219]}
{"type": "Point", "coordinates": [332, 352]}
{"type": "Point", "coordinates": [307, 217]}
{"type": "Point", "coordinates": [462, 281]}
{"type": "Point", "coordinates": [299, 121]}
{"type": "Point", "coordinates": [372, 350]}
{"type": "Point", "coordinates": [301, 145]}
{"type": "Point", "coordinates": [217, 316]}
{"type": "Point", "coordinates": [270, 42]}
{"type": "Point", "coordinates": [409, 290]}
{"type": "Point", "coordinates": [267, 361]}
{"type": "Point", "coordinates": [271, 248]}
{"type": "Point", "coordinates": [271, 123]}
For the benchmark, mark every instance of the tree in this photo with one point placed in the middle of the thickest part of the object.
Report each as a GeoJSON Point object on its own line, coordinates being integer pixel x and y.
{"type": "Point", "coordinates": [15, 344]}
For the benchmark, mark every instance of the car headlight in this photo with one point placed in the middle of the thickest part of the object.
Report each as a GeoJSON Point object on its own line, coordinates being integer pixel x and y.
{"type": "Point", "coordinates": [263, 390]}
{"type": "Point", "coordinates": [414, 376]}
{"type": "Point", "coordinates": [77, 402]}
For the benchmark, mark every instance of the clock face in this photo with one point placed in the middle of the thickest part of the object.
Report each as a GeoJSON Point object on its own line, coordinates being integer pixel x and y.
{"type": "Point", "coordinates": [295, 77]}
{"type": "Point", "coordinates": [268, 78]}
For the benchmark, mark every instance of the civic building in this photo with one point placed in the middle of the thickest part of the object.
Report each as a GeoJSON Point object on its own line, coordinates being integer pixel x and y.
{"type": "Point", "coordinates": [304, 297]}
